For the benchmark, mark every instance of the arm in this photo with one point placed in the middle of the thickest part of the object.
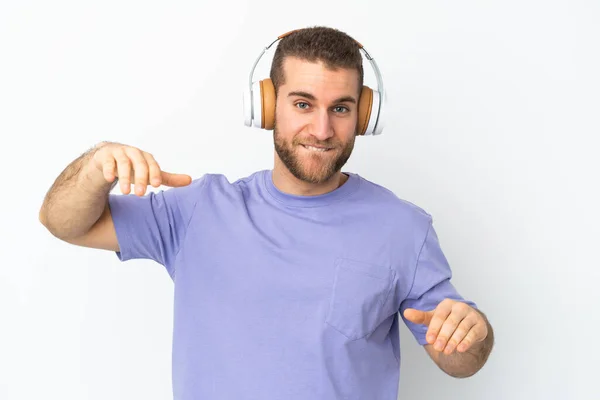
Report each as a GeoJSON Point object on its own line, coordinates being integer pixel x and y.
{"type": "Point", "coordinates": [465, 335]}
{"type": "Point", "coordinates": [76, 208]}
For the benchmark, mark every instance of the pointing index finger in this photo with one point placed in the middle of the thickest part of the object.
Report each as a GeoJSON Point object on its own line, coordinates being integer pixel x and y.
{"type": "Point", "coordinates": [175, 180]}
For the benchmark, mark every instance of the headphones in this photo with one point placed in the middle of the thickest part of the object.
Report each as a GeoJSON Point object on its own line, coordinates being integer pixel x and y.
{"type": "Point", "coordinates": [259, 100]}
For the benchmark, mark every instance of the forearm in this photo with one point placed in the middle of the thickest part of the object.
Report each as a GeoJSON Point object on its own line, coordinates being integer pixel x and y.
{"type": "Point", "coordinates": [465, 364]}
{"type": "Point", "coordinates": [76, 199]}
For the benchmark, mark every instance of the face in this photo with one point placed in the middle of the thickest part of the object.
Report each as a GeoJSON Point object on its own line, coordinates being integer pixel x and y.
{"type": "Point", "coordinates": [315, 119]}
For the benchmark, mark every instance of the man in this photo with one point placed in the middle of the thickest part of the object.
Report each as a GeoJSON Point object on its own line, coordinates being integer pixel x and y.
{"type": "Point", "coordinates": [289, 282]}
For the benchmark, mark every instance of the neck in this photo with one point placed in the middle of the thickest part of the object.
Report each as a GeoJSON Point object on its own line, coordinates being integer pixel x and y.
{"type": "Point", "coordinates": [285, 181]}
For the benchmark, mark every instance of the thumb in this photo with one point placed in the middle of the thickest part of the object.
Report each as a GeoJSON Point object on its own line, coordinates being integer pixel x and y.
{"type": "Point", "coordinates": [418, 316]}
{"type": "Point", "coordinates": [173, 180]}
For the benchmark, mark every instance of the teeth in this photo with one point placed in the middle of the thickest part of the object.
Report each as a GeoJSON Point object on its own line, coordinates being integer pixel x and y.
{"type": "Point", "coordinates": [312, 148]}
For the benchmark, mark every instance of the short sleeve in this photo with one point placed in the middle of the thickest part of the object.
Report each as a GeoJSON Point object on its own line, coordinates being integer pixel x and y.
{"type": "Point", "coordinates": [431, 285]}
{"type": "Point", "coordinates": [154, 226]}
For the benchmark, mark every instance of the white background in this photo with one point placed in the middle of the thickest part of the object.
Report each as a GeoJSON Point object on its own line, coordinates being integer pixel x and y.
{"type": "Point", "coordinates": [492, 128]}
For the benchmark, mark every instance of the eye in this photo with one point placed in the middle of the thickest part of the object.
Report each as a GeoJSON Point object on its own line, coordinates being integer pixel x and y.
{"type": "Point", "coordinates": [302, 105]}
{"type": "Point", "coordinates": [340, 109]}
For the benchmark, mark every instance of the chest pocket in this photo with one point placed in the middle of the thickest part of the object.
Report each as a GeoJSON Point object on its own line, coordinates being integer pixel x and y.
{"type": "Point", "coordinates": [359, 297]}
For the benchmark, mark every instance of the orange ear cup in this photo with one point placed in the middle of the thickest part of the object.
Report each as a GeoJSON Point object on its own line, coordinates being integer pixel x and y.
{"type": "Point", "coordinates": [267, 96]}
{"type": "Point", "coordinates": [365, 105]}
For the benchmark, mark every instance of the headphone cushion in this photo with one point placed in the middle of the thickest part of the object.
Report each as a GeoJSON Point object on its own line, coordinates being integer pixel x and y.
{"type": "Point", "coordinates": [365, 107]}
{"type": "Point", "coordinates": [267, 95]}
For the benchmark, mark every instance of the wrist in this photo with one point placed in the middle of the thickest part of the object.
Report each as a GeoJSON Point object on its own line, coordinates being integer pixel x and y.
{"type": "Point", "coordinates": [91, 176]}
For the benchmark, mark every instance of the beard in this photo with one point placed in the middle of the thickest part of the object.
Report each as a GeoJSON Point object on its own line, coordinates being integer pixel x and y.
{"type": "Point", "coordinates": [312, 167]}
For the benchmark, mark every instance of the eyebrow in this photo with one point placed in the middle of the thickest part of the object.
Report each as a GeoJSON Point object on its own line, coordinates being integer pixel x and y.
{"type": "Point", "coordinates": [309, 96]}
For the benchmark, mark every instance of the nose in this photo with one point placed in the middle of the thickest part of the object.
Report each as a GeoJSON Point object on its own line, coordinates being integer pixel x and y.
{"type": "Point", "coordinates": [320, 125]}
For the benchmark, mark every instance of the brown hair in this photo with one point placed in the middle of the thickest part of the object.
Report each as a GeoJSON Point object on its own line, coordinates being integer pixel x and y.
{"type": "Point", "coordinates": [334, 48]}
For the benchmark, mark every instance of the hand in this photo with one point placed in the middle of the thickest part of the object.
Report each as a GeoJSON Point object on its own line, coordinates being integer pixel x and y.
{"type": "Point", "coordinates": [130, 165]}
{"type": "Point", "coordinates": [452, 325]}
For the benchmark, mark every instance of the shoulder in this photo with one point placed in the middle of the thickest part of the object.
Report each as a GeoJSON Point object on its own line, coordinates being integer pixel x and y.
{"type": "Point", "coordinates": [385, 196]}
{"type": "Point", "coordinates": [391, 206]}
{"type": "Point", "coordinates": [221, 182]}
{"type": "Point", "coordinates": [212, 185]}
{"type": "Point", "coordinates": [212, 181]}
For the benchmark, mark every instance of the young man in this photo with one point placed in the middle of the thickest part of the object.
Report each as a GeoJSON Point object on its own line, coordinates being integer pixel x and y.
{"type": "Point", "coordinates": [289, 282]}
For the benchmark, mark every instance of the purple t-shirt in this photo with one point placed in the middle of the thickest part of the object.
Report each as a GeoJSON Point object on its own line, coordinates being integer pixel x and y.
{"type": "Point", "coordinates": [279, 296]}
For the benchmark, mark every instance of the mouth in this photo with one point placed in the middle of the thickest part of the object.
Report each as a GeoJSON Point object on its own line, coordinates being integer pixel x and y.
{"type": "Point", "coordinates": [316, 149]}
